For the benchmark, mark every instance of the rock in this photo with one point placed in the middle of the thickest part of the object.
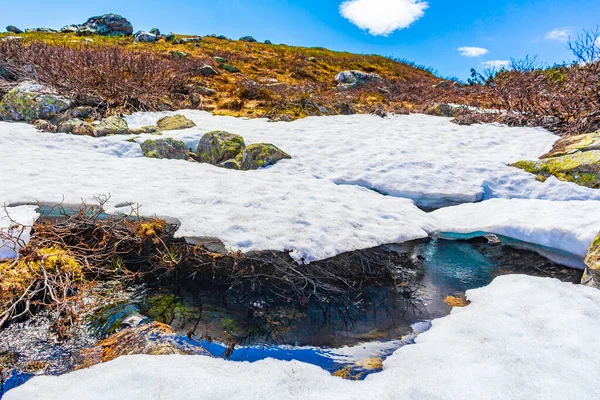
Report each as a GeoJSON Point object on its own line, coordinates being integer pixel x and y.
{"type": "Point", "coordinates": [591, 277]}
{"type": "Point", "coordinates": [574, 144]}
{"type": "Point", "coordinates": [40, 30]}
{"type": "Point", "coordinates": [443, 85]}
{"type": "Point", "coordinates": [206, 91]}
{"type": "Point", "coordinates": [231, 164]}
{"type": "Point", "coordinates": [248, 39]}
{"type": "Point", "coordinates": [13, 29]}
{"type": "Point", "coordinates": [261, 155]}
{"type": "Point", "coordinates": [76, 127]}
{"type": "Point", "coordinates": [44, 126]}
{"type": "Point", "coordinates": [82, 112]}
{"type": "Point", "coordinates": [69, 29]}
{"type": "Point", "coordinates": [111, 126]}
{"type": "Point", "coordinates": [144, 37]}
{"type": "Point", "coordinates": [222, 37]}
{"type": "Point", "coordinates": [155, 32]}
{"type": "Point", "coordinates": [187, 40]}
{"type": "Point", "coordinates": [230, 68]}
{"type": "Point", "coordinates": [168, 148]}
{"type": "Point", "coordinates": [347, 109]}
{"type": "Point", "coordinates": [582, 168]}
{"type": "Point", "coordinates": [218, 146]}
{"type": "Point", "coordinates": [456, 301]}
{"type": "Point", "coordinates": [150, 130]}
{"type": "Point", "coordinates": [29, 101]}
{"type": "Point", "coordinates": [180, 55]}
{"type": "Point", "coordinates": [175, 122]}
{"type": "Point", "coordinates": [549, 120]}
{"type": "Point", "coordinates": [268, 42]}
{"type": "Point", "coordinates": [106, 25]}
{"type": "Point", "coordinates": [207, 71]}
{"type": "Point", "coordinates": [312, 59]}
{"type": "Point", "coordinates": [351, 79]}
{"type": "Point", "coordinates": [13, 38]}
{"type": "Point", "coordinates": [220, 60]}
{"type": "Point", "coordinates": [444, 110]}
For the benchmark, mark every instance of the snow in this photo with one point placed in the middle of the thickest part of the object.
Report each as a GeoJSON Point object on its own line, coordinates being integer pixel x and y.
{"type": "Point", "coordinates": [567, 226]}
{"type": "Point", "coordinates": [324, 201]}
{"type": "Point", "coordinates": [520, 338]}
{"type": "Point", "coordinates": [16, 222]}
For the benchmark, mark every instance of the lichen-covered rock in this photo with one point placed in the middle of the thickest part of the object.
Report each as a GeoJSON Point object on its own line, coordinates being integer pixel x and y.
{"type": "Point", "coordinates": [150, 130]}
{"type": "Point", "coordinates": [220, 60]}
{"type": "Point", "coordinates": [591, 277]}
{"type": "Point", "coordinates": [144, 37]}
{"type": "Point", "coordinates": [175, 122]}
{"type": "Point", "coordinates": [106, 25]}
{"type": "Point", "coordinates": [111, 126]}
{"type": "Point", "coordinates": [582, 168]}
{"type": "Point", "coordinates": [76, 127]}
{"type": "Point", "coordinates": [30, 101]}
{"type": "Point", "coordinates": [230, 68]}
{"type": "Point", "coordinates": [168, 148]}
{"type": "Point", "coordinates": [44, 126]}
{"type": "Point", "coordinates": [574, 144]}
{"type": "Point", "coordinates": [444, 110]}
{"type": "Point", "coordinates": [40, 30]}
{"type": "Point", "coordinates": [351, 79]}
{"type": "Point", "coordinates": [13, 29]}
{"type": "Point", "coordinates": [261, 155]}
{"type": "Point", "coordinates": [218, 146]}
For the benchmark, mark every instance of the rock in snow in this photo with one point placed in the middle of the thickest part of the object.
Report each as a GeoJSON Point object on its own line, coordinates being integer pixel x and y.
{"type": "Point", "coordinates": [592, 261]}
{"type": "Point", "coordinates": [520, 338]}
{"type": "Point", "coordinates": [30, 101]}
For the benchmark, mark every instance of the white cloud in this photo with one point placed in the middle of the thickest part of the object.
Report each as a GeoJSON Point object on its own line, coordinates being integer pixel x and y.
{"type": "Point", "coordinates": [473, 51]}
{"type": "Point", "coordinates": [382, 17]}
{"type": "Point", "coordinates": [560, 34]}
{"type": "Point", "coordinates": [496, 64]}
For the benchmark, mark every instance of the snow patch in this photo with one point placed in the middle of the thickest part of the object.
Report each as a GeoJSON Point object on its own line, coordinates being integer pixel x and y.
{"type": "Point", "coordinates": [16, 222]}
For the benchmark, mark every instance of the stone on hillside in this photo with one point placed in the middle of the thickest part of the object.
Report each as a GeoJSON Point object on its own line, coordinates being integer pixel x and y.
{"type": "Point", "coordinates": [230, 68]}
{"type": "Point", "coordinates": [81, 112]}
{"type": "Point", "coordinates": [188, 40]}
{"type": "Point", "coordinates": [149, 130]}
{"type": "Point", "coordinates": [69, 29]}
{"type": "Point", "coordinates": [155, 32]}
{"type": "Point", "coordinates": [144, 37]}
{"type": "Point", "coordinates": [44, 126]}
{"type": "Point", "coordinates": [574, 144]}
{"type": "Point", "coordinates": [444, 110]}
{"type": "Point", "coordinates": [175, 122]}
{"type": "Point", "coordinates": [180, 55]}
{"type": "Point", "coordinates": [222, 37]}
{"type": "Point", "coordinates": [207, 70]}
{"type": "Point", "coordinates": [111, 126]}
{"type": "Point", "coordinates": [106, 25]}
{"type": "Point", "coordinates": [582, 168]}
{"type": "Point", "coordinates": [40, 30]}
{"type": "Point", "coordinates": [13, 29]}
{"type": "Point", "coordinates": [248, 39]}
{"type": "Point", "coordinates": [168, 148]}
{"type": "Point", "coordinates": [29, 101]}
{"type": "Point", "coordinates": [76, 127]}
{"type": "Point", "coordinates": [218, 146]}
{"type": "Point", "coordinates": [268, 42]}
{"type": "Point", "coordinates": [220, 60]}
{"type": "Point", "coordinates": [591, 277]}
{"type": "Point", "coordinates": [261, 155]}
{"type": "Point", "coordinates": [351, 79]}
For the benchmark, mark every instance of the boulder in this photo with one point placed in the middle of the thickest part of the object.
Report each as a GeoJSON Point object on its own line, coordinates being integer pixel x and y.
{"type": "Point", "coordinates": [29, 101]}
{"type": "Point", "coordinates": [351, 79]}
{"type": "Point", "coordinates": [261, 155]}
{"type": "Point", "coordinates": [13, 29]}
{"type": "Point", "coordinates": [230, 68]}
{"type": "Point", "coordinates": [248, 39]}
{"type": "Point", "coordinates": [268, 42]}
{"type": "Point", "coordinates": [106, 25]}
{"type": "Point", "coordinates": [44, 126]}
{"type": "Point", "coordinates": [149, 130]}
{"type": "Point", "coordinates": [76, 127]}
{"type": "Point", "coordinates": [222, 37]}
{"type": "Point", "coordinates": [69, 29]}
{"type": "Point", "coordinates": [111, 126]}
{"type": "Point", "coordinates": [155, 32]}
{"type": "Point", "coordinates": [591, 277]}
{"type": "Point", "coordinates": [582, 168]}
{"type": "Point", "coordinates": [179, 55]}
{"type": "Point", "coordinates": [207, 71]}
{"type": "Point", "coordinates": [40, 30]}
{"type": "Point", "coordinates": [219, 146]}
{"type": "Point", "coordinates": [220, 60]}
{"type": "Point", "coordinates": [175, 122]}
{"type": "Point", "coordinates": [168, 148]}
{"type": "Point", "coordinates": [144, 37]}
{"type": "Point", "coordinates": [188, 40]}
{"type": "Point", "coordinates": [444, 110]}
{"type": "Point", "coordinates": [233, 163]}
{"type": "Point", "coordinates": [574, 144]}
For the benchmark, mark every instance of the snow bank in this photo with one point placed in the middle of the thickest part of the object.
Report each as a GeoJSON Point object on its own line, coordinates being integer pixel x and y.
{"type": "Point", "coordinates": [521, 338]}
{"type": "Point", "coordinates": [10, 219]}
{"type": "Point", "coordinates": [568, 226]}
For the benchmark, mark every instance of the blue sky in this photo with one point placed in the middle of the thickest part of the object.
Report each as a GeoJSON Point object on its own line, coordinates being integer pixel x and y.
{"type": "Point", "coordinates": [428, 34]}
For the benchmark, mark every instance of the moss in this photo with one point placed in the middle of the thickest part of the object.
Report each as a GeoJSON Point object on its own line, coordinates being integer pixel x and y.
{"type": "Point", "coordinates": [165, 308]}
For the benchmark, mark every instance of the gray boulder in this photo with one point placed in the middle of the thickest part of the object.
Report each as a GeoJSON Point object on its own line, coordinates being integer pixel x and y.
{"type": "Point", "coordinates": [106, 25]}
{"type": "Point", "coordinates": [44, 126]}
{"type": "Point", "coordinates": [76, 127]}
{"type": "Point", "coordinates": [111, 126]}
{"type": "Point", "coordinates": [144, 37]}
{"type": "Point", "coordinates": [207, 70]}
{"type": "Point", "coordinates": [218, 146]}
{"type": "Point", "coordinates": [248, 39]}
{"type": "Point", "coordinates": [261, 155]}
{"type": "Point", "coordinates": [352, 79]}
{"type": "Point", "coordinates": [30, 101]}
{"type": "Point", "coordinates": [175, 122]}
{"type": "Point", "coordinates": [155, 32]}
{"type": "Point", "coordinates": [168, 148]}
{"type": "Point", "coordinates": [13, 29]}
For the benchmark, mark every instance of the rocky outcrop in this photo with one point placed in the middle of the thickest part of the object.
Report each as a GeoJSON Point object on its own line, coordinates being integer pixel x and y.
{"type": "Point", "coordinates": [351, 79]}
{"type": "Point", "coordinates": [13, 29]}
{"type": "Point", "coordinates": [175, 122]}
{"type": "Point", "coordinates": [40, 30]}
{"type": "Point", "coordinates": [573, 159]}
{"type": "Point", "coordinates": [219, 146]}
{"type": "Point", "coordinates": [261, 155]}
{"type": "Point", "coordinates": [228, 150]}
{"type": "Point", "coordinates": [168, 148]}
{"type": "Point", "coordinates": [31, 101]}
{"type": "Point", "coordinates": [591, 277]}
{"type": "Point", "coordinates": [105, 25]}
{"type": "Point", "coordinates": [248, 39]}
{"type": "Point", "coordinates": [111, 126]}
{"type": "Point", "coordinates": [144, 37]}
